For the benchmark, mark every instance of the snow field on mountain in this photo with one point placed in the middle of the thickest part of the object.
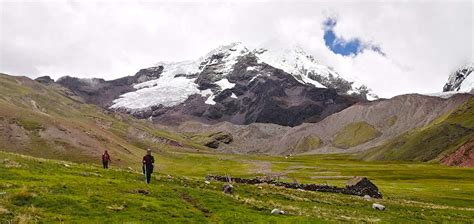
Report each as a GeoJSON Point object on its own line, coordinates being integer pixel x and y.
{"type": "Point", "coordinates": [178, 81]}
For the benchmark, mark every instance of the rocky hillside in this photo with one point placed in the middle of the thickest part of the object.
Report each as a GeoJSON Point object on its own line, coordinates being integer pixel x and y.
{"type": "Point", "coordinates": [231, 83]}
{"type": "Point", "coordinates": [51, 122]}
{"type": "Point", "coordinates": [447, 139]}
{"type": "Point", "coordinates": [357, 128]}
{"type": "Point", "coordinates": [101, 92]}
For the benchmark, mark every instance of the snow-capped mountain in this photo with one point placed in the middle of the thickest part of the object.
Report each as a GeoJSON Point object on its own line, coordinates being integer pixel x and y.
{"type": "Point", "coordinates": [461, 80]}
{"type": "Point", "coordinates": [232, 83]}
{"type": "Point", "coordinates": [308, 70]}
{"type": "Point", "coordinates": [180, 80]}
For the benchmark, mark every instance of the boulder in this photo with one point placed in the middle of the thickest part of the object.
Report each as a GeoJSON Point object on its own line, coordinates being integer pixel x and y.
{"type": "Point", "coordinates": [276, 211]}
{"type": "Point", "coordinates": [143, 192]}
{"type": "Point", "coordinates": [228, 188]}
{"type": "Point", "coordinates": [45, 80]}
{"type": "Point", "coordinates": [378, 207]}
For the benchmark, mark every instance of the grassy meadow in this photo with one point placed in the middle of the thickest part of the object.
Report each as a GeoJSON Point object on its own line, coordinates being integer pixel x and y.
{"type": "Point", "coordinates": [39, 190]}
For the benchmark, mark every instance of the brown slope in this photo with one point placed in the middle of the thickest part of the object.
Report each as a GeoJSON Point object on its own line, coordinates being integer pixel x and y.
{"type": "Point", "coordinates": [252, 138]}
{"type": "Point", "coordinates": [463, 156]}
{"type": "Point", "coordinates": [389, 118]}
{"type": "Point", "coordinates": [44, 121]}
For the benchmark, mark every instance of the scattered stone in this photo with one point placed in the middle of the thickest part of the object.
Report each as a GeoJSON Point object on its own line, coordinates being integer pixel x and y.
{"type": "Point", "coordinates": [116, 207]}
{"type": "Point", "coordinates": [260, 187]}
{"type": "Point", "coordinates": [130, 168]}
{"type": "Point", "coordinates": [144, 192]}
{"type": "Point", "coordinates": [11, 164]}
{"type": "Point", "coordinates": [378, 207]}
{"type": "Point", "coordinates": [207, 182]}
{"type": "Point", "coordinates": [367, 197]}
{"type": "Point", "coordinates": [276, 211]}
{"type": "Point", "coordinates": [228, 189]}
{"type": "Point", "coordinates": [66, 165]}
{"type": "Point", "coordinates": [96, 174]}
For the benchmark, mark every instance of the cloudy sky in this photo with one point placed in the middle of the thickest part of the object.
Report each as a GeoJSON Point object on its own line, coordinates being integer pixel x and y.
{"type": "Point", "coordinates": [394, 47]}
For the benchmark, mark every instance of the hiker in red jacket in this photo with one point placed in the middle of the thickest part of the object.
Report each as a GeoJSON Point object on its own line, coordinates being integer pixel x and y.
{"type": "Point", "coordinates": [106, 159]}
{"type": "Point", "coordinates": [148, 162]}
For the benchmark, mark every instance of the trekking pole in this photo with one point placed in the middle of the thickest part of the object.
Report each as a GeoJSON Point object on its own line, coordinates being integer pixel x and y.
{"type": "Point", "coordinates": [145, 173]}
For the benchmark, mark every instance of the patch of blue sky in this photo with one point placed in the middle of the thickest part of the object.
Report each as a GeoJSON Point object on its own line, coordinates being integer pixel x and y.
{"type": "Point", "coordinates": [339, 45]}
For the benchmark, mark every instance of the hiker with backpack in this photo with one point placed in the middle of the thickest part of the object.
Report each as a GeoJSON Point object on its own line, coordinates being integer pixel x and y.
{"type": "Point", "coordinates": [148, 162]}
{"type": "Point", "coordinates": [106, 159]}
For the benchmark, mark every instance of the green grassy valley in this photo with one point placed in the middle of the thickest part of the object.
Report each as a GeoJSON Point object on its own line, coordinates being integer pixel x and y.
{"type": "Point", "coordinates": [40, 190]}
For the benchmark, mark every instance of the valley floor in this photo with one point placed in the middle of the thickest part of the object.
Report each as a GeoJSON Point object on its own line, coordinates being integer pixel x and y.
{"type": "Point", "coordinates": [39, 190]}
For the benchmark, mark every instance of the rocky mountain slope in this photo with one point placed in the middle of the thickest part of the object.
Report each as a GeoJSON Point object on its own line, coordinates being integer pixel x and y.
{"type": "Point", "coordinates": [231, 83]}
{"type": "Point", "coordinates": [447, 135]}
{"type": "Point", "coordinates": [357, 128]}
{"type": "Point", "coordinates": [49, 121]}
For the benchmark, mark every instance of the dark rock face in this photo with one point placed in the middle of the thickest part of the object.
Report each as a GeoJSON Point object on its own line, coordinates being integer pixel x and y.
{"type": "Point", "coordinates": [148, 74]}
{"type": "Point", "coordinates": [265, 95]}
{"type": "Point", "coordinates": [45, 80]}
{"type": "Point", "coordinates": [102, 92]}
{"type": "Point", "coordinates": [455, 80]}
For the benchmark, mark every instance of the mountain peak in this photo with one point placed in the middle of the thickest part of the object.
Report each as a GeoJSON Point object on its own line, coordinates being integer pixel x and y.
{"type": "Point", "coordinates": [462, 80]}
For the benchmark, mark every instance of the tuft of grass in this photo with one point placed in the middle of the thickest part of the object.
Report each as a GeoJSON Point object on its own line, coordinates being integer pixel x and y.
{"type": "Point", "coordinates": [22, 197]}
{"type": "Point", "coordinates": [31, 125]}
{"type": "Point", "coordinates": [116, 207]}
{"type": "Point", "coordinates": [355, 134]}
{"type": "Point", "coordinates": [28, 215]}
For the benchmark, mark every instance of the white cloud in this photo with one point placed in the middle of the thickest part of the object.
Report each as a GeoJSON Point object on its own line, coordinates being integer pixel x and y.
{"type": "Point", "coordinates": [424, 41]}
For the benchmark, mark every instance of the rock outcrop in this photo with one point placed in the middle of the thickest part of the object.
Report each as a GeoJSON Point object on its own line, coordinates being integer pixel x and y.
{"type": "Point", "coordinates": [101, 92]}
{"type": "Point", "coordinates": [463, 156]}
{"type": "Point", "coordinates": [45, 80]}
